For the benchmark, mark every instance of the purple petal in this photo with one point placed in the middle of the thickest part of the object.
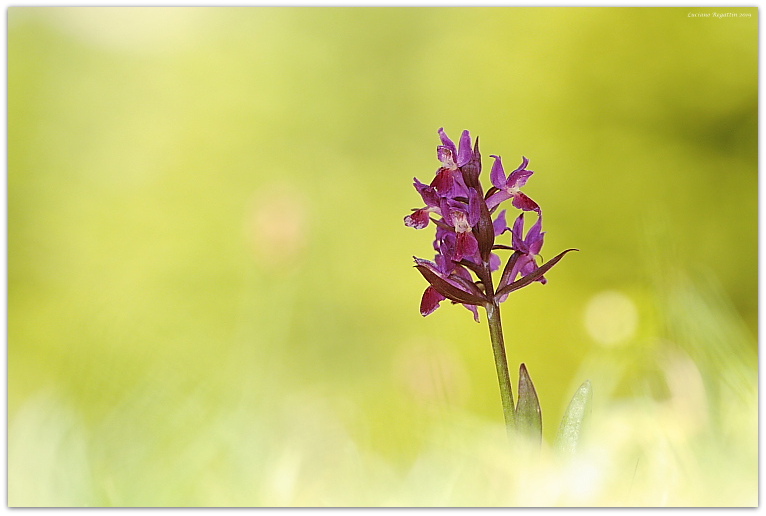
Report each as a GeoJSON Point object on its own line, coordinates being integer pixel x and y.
{"type": "Point", "coordinates": [497, 197]}
{"type": "Point", "coordinates": [529, 266]}
{"type": "Point", "coordinates": [459, 189]}
{"type": "Point", "coordinates": [522, 202]}
{"type": "Point", "coordinates": [494, 262]}
{"type": "Point", "coordinates": [499, 224]}
{"type": "Point", "coordinates": [446, 248]}
{"type": "Point", "coordinates": [443, 181]}
{"type": "Point", "coordinates": [464, 154]}
{"type": "Point", "coordinates": [523, 266]}
{"type": "Point", "coordinates": [418, 219]}
{"type": "Point", "coordinates": [475, 311]}
{"type": "Point", "coordinates": [497, 174]}
{"type": "Point", "coordinates": [517, 234]}
{"type": "Point", "coordinates": [428, 193]}
{"type": "Point", "coordinates": [526, 266]}
{"type": "Point", "coordinates": [430, 301]}
{"type": "Point", "coordinates": [447, 142]}
{"type": "Point", "coordinates": [466, 246]}
{"type": "Point", "coordinates": [519, 177]}
{"type": "Point", "coordinates": [535, 237]}
{"type": "Point", "coordinates": [441, 263]}
{"type": "Point", "coordinates": [446, 212]}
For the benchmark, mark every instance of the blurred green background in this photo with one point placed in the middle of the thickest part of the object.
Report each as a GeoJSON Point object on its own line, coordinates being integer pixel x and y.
{"type": "Point", "coordinates": [211, 298]}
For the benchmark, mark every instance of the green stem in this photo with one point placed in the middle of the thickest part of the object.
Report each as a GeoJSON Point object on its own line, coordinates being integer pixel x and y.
{"type": "Point", "coordinates": [501, 364]}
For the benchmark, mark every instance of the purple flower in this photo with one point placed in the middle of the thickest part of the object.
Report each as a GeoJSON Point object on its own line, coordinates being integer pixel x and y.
{"type": "Point", "coordinates": [500, 226]}
{"type": "Point", "coordinates": [449, 179]}
{"type": "Point", "coordinates": [509, 187]}
{"type": "Point", "coordinates": [448, 182]}
{"type": "Point", "coordinates": [462, 219]}
{"type": "Point", "coordinates": [529, 247]}
{"type": "Point", "coordinates": [419, 218]}
{"type": "Point", "coordinates": [451, 157]}
{"type": "Point", "coordinates": [466, 232]}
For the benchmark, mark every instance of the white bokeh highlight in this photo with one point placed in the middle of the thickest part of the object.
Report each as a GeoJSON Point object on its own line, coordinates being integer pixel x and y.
{"type": "Point", "coordinates": [611, 318]}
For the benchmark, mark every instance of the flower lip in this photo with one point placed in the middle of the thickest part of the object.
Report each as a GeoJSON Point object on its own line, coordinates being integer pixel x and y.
{"type": "Point", "coordinates": [523, 202]}
{"type": "Point", "coordinates": [430, 301]}
{"type": "Point", "coordinates": [418, 219]}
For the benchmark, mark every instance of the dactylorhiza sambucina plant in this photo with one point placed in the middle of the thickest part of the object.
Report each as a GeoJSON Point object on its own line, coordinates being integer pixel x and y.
{"type": "Point", "coordinates": [468, 226]}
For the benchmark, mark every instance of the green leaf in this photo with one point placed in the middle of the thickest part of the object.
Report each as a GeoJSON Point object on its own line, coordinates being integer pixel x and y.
{"type": "Point", "coordinates": [570, 433]}
{"type": "Point", "coordinates": [529, 421]}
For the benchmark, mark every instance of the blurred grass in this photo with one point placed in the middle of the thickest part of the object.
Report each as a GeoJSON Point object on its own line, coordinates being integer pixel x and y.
{"type": "Point", "coordinates": [210, 293]}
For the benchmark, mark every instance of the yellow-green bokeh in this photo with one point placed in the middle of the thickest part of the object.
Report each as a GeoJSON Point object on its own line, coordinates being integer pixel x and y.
{"type": "Point", "coordinates": [211, 298]}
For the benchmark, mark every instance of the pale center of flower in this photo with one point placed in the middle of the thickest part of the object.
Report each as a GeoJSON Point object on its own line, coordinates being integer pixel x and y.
{"type": "Point", "coordinates": [461, 222]}
{"type": "Point", "coordinates": [448, 160]}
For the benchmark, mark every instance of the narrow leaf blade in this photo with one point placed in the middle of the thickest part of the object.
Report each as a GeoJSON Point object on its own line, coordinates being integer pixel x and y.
{"type": "Point", "coordinates": [506, 276]}
{"type": "Point", "coordinates": [529, 421]}
{"type": "Point", "coordinates": [529, 278]}
{"type": "Point", "coordinates": [448, 290]}
{"type": "Point", "coordinates": [570, 433]}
